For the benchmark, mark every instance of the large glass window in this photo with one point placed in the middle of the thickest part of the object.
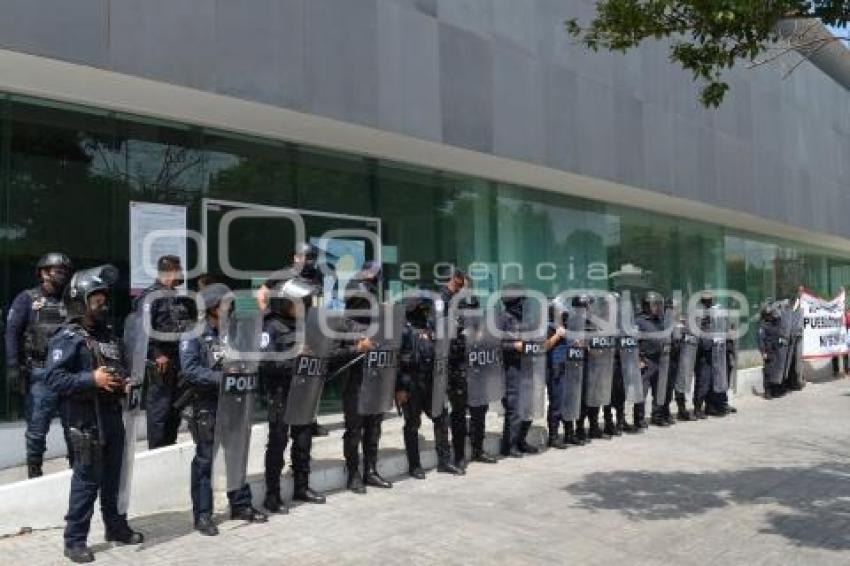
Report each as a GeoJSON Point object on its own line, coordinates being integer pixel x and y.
{"type": "Point", "coordinates": [67, 175]}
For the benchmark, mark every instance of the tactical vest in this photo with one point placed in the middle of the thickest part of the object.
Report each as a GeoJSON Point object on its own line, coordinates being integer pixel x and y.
{"type": "Point", "coordinates": [48, 316]}
{"type": "Point", "coordinates": [422, 354]}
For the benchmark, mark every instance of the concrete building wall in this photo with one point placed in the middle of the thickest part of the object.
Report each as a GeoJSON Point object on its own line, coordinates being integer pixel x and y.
{"type": "Point", "coordinates": [494, 76]}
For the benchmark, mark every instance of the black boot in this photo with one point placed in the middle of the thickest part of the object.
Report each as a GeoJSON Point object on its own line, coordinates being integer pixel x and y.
{"type": "Point", "coordinates": [273, 503]}
{"type": "Point", "coordinates": [34, 470]}
{"type": "Point", "coordinates": [354, 483]}
{"type": "Point", "coordinates": [595, 432]}
{"type": "Point", "coordinates": [640, 417]}
{"type": "Point", "coordinates": [447, 467]}
{"type": "Point", "coordinates": [555, 440]}
{"type": "Point", "coordinates": [123, 534]}
{"type": "Point", "coordinates": [319, 430]}
{"type": "Point", "coordinates": [609, 427]}
{"type": "Point", "coordinates": [205, 526]}
{"type": "Point", "coordinates": [522, 440]}
{"type": "Point", "coordinates": [478, 455]}
{"type": "Point", "coordinates": [248, 514]}
{"type": "Point", "coordinates": [682, 413]}
{"type": "Point", "coordinates": [411, 447]}
{"type": "Point", "coordinates": [570, 434]}
{"type": "Point", "coordinates": [372, 478]}
{"type": "Point", "coordinates": [302, 491]}
{"type": "Point", "coordinates": [444, 449]}
{"type": "Point", "coordinates": [79, 554]}
{"type": "Point", "coordinates": [657, 418]}
{"type": "Point", "coordinates": [581, 433]}
{"type": "Point", "coordinates": [698, 414]}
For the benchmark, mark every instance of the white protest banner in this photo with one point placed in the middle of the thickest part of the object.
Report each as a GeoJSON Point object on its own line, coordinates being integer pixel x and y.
{"type": "Point", "coordinates": [824, 334]}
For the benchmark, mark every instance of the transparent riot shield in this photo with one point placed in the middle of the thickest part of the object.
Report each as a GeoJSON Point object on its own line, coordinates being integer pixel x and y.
{"type": "Point", "coordinates": [484, 374]}
{"type": "Point", "coordinates": [797, 350]}
{"type": "Point", "coordinates": [532, 390]}
{"type": "Point", "coordinates": [786, 331]}
{"type": "Point", "coordinates": [309, 370]}
{"type": "Point", "coordinates": [380, 364]}
{"type": "Point", "coordinates": [665, 345]}
{"type": "Point", "coordinates": [719, 369]}
{"type": "Point", "coordinates": [686, 364]}
{"type": "Point", "coordinates": [440, 378]}
{"type": "Point", "coordinates": [629, 353]}
{"type": "Point", "coordinates": [135, 355]}
{"type": "Point", "coordinates": [601, 347]}
{"type": "Point", "coordinates": [241, 341]}
{"type": "Point", "coordinates": [574, 371]}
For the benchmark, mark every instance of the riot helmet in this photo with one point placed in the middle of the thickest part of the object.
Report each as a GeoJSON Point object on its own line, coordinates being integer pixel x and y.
{"type": "Point", "coordinates": [86, 283]}
{"type": "Point", "coordinates": [59, 276]}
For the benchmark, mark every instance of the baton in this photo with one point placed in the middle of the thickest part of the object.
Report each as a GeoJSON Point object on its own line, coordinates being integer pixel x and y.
{"type": "Point", "coordinates": [345, 367]}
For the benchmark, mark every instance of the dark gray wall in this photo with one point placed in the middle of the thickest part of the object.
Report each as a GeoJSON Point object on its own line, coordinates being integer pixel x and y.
{"type": "Point", "coordinates": [497, 76]}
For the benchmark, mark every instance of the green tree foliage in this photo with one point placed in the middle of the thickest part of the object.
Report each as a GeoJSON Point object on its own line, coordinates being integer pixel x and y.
{"type": "Point", "coordinates": [708, 36]}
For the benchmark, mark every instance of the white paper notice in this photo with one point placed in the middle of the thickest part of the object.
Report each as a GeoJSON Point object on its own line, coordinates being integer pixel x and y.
{"type": "Point", "coordinates": [163, 226]}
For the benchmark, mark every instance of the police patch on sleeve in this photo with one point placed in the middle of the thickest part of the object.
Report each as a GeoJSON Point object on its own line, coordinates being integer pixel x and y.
{"type": "Point", "coordinates": [184, 345]}
{"type": "Point", "coordinates": [57, 354]}
{"type": "Point", "coordinates": [265, 340]}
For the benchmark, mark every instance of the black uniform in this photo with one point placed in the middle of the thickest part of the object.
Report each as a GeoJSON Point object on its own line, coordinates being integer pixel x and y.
{"type": "Point", "coordinates": [360, 429]}
{"type": "Point", "coordinates": [650, 354]}
{"type": "Point", "coordinates": [167, 314]}
{"type": "Point", "coordinates": [96, 427]}
{"type": "Point", "coordinates": [515, 429]}
{"type": "Point", "coordinates": [416, 378]}
{"type": "Point", "coordinates": [458, 399]}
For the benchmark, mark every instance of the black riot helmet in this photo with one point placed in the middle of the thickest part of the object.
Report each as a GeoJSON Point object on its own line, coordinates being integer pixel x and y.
{"type": "Point", "coordinates": [706, 299]}
{"type": "Point", "coordinates": [513, 296]}
{"type": "Point", "coordinates": [653, 303]}
{"type": "Point", "coordinates": [289, 292]}
{"type": "Point", "coordinates": [419, 309]}
{"type": "Point", "coordinates": [212, 295]}
{"type": "Point", "coordinates": [307, 260]}
{"type": "Point", "coordinates": [56, 259]}
{"type": "Point", "coordinates": [84, 284]}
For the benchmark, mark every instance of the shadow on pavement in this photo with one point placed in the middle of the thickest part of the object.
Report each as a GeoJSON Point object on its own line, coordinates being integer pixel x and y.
{"type": "Point", "coordinates": [814, 501]}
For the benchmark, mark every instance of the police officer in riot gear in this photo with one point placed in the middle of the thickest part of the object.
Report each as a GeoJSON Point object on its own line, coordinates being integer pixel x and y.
{"type": "Point", "coordinates": [770, 341]}
{"type": "Point", "coordinates": [279, 335]}
{"type": "Point", "coordinates": [556, 360]}
{"type": "Point", "coordinates": [651, 320]}
{"type": "Point", "coordinates": [200, 368]}
{"type": "Point", "coordinates": [33, 318]}
{"type": "Point", "coordinates": [516, 317]}
{"type": "Point", "coordinates": [85, 369]}
{"type": "Point", "coordinates": [705, 371]}
{"type": "Point", "coordinates": [458, 397]}
{"type": "Point", "coordinates": [415, 386]}
{"type": "Point", "coordinates": [168, 314]}
{"type": "Point", "coordinates": [305, 266]}
{"type": "Point", "coordinates": [365, 429]}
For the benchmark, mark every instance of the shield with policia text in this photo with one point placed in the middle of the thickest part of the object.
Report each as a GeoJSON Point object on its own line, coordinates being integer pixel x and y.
{"type": "Point", "coordinates": [238, 388]}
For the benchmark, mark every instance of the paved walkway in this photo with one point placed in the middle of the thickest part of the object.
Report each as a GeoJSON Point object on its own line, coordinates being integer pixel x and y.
{"type": "Point", "coordinates": [768, 486]}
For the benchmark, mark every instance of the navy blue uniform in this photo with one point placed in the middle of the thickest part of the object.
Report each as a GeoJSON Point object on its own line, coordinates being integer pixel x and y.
{"type": "Point", "coordinates": [96, 425]}
{"type": "Point", "coordinates": [200, 362]}
{"type": "Point", "coordinates": [416, 378]}
{"type": "Point", "coordinates": [458, 398]}
{"type": "Point", "coordinates": [169, 313]}
{"type": "Point", "coordinates": [556, 361]}
{"type": "Point", "coordinates": [32, 319]}
{"type": "Point", "coordinates": [277, 378]}
{"type": "Point", "coordinates": [515, 428]}
{"type": "Point", "coordinates": [650, 353]}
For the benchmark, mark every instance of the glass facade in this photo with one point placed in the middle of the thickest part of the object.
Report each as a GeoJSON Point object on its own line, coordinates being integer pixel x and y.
{"type": "Point", "coordinates": [67, 175]}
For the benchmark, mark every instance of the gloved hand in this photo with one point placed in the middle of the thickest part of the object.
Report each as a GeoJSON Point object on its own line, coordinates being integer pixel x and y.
{"type": "Point", "coordinates": [401, 397]}
{"type": "Point", "coordinates": [15, 380]}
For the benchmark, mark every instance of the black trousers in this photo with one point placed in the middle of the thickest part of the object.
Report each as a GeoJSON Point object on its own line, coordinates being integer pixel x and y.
{"type": "Point", "coordinates": [359, 429]}
{"type": "Point", "coordinates": [98, 475]}
{"type": "Point", "coordinates": [202, 427]}
{"type": "Point", "coordinates": [477, 419]}
{"type": "Point", "coordinates": [419, 402]}
{"type": "Point", "coordinates": [163, 419]}
{"type": "Point", "coordinates": [279, 435]}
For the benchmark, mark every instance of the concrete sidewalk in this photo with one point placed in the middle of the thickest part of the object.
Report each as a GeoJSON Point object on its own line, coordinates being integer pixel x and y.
{"type": "Point", "coordinates": [768, 486]}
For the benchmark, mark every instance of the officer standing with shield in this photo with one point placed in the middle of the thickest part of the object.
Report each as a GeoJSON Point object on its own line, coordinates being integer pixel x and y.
{"type": "Point", "coordinates": [556, 365]}
{"type": "Point", "coordinates": [683, 354]}
{"type": "Point", "coordinates": [202, 362]}
{"type": "Point", "coordinates": [370, 381]}
{"type": "Point", "coordinates": [655, 358]}
{"type": "Point", "coordinates": [774, 349]}
{"type": "Point", "coordinates": [524, 348]}
{"type": "Point", "coordinates": [628, 382]}
{"type": "Point", "coordinates": [168, 314]}
{"type": "Point", "coordinates": [463, 359]}
{"type": "Point", "coordinates": [423, 380]}
{"type": "Point", "coordinates": [293, 385]}
{"type": "Point", "coordinates": [711, 376]}
{"type": "Point", "coordinates": [85, 369]}
{"type": "Point", "coordinates": [599, 365]}
{"type": "Point", "coordinates": [572, 402]}
{"type": "Point", "coordinates": [34, 316]}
